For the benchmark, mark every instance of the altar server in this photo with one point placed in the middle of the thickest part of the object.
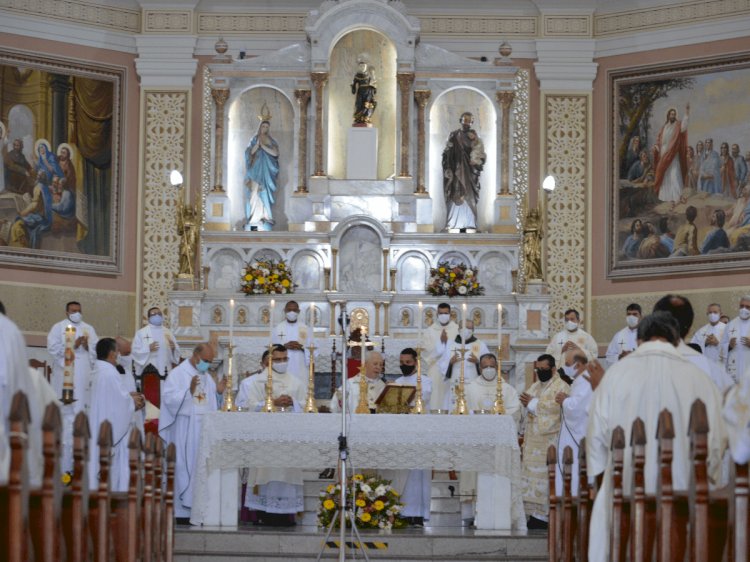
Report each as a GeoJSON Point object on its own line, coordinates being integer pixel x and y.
{"type": "Point", "coordinates": [189, 393]}
{"type": "Point", "coordinates": [154, 346]}
{"type": "Point", "coordinates": [450, 362]}
{"type": "Point", "coordinates": [85, 355]}
{"type": "Point", "coordinates": [295, 337]}
{"type": "Point", "coordinates": [112, 400]}
{"type": "Point", "coordinates": [735, 342]}
{"type": "Point", "coordinates": [572, 336]}
{"type": "Point", "coordinates": [375, 385]}
{"type": "Point", "coordinates": [435, 344]}
{"type": "Point", "coordinates": [626, 340]}
{"type": "Point", "coordinates": [542, 428]}
{"type": "Point", "coordinates": [575, 414]}
{"type": "Point", "coordinates": [654, 377]}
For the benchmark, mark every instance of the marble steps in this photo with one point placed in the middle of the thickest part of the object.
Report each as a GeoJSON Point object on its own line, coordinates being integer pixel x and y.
{"type": "Point", "coordinates": [304, 543]}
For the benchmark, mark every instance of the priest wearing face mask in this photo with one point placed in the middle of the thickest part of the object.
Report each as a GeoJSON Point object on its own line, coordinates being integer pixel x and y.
{"type": "Point", "coordinates": [543, 419]}
{"type": "Point", "coordinates": [375, 385]}
{"type": "Point", "coordinates": [735, 343]}
{"type": "Point", "coordinates": [189, 393]}
{"type": "Point", "coordinates": [626, 340]}
{"type": "Point", "coordinates": [708, 337]}
{"type": "Point", "coordinates": [450, 362]}
{"type": "Point", "coordinates": [435, 341]}
{"type": "Point", "coordinates": [295, 337]}
{"type": "Point", "coordinates": [482, 391]}
{"type": "Point", "coordinates": [154, 346]}
{"type": "Point", "coordinates": [85, 355]}
{"type": "Point", "coordinates": [572, 336]}
{"type": "Point", "coordinates": [288, 392]}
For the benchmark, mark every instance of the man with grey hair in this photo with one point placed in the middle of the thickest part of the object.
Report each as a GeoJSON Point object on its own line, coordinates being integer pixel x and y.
{"type": "Point", "coordinates": [188, 394]}
{"type": "Point", "coordinates": [735, 343]}
{"type": "Point", "coordinates": [654, 377]}
{"type": "Point", "coordinates": [375, 385]}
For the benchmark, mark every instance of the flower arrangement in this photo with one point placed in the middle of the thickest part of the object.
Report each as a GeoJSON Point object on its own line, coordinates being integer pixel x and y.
{"type": "Point", "coordinates": [268, 277]}
{"type": "Point", "coordinates": [376, 503]}
{"type": "Point", "coordinates": [454, 280]}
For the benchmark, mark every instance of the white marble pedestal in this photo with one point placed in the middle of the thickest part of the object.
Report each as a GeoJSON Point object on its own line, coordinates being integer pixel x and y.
{"type": "Point", "coordinates": [362, 153]}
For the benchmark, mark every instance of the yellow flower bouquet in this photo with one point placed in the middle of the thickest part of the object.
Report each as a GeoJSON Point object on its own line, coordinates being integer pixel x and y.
{"type": "Point", "coordinates": [268, 277]}
{"type": "Point", "coordinates": [376, 504]}
{"type": "Point", "coordinates": [454, 280]}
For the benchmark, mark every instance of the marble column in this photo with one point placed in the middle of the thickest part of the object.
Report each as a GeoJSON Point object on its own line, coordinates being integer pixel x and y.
{"type": "Point", "coordinates": [303, 100]}
{"type": "Point", "coordinates": [421, 97]}
{"type": "Point", "coordinates": [334, 268]}
{"type": "Point", "coordinates": [505, 99]}
{"type": "Point", "coordinates": [386, 251]}
{"type": "Point", "coordinates": [220, 99]}
{"type": "Point", "coordinates": [319, 79]}
{"type": "Point", "coordinates": [377, 318]}
{"type": "Point", "coordinates": [60, 86]}
{"type": "Point", "coordinates": [405, 80]}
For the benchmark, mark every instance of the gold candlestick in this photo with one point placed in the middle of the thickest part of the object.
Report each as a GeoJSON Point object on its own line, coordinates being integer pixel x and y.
{"type": "Point", "coordinates": [310, 407]}
{"type": "Point", "coordinates": [418, 407]}
{"type": "Point", "coordinates": [268, 405]}
{"type": "Point", "coordinates": [363, 407]}
{"type": "Point", "coordinates": [461, 408]}
{"type": "Point", "coordinates": [228, 404]}
{"type": "Point", "coordinates": [499, 405]}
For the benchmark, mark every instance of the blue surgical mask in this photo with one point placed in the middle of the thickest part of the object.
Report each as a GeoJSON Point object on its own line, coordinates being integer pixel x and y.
{"type": "Point", "coordinates": [156, 320]}
{"type": "Point", "coordinates": [203, 366]}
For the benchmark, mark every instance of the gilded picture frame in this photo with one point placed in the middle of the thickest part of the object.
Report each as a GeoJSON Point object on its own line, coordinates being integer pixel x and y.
{"type": "Point", "coordinates": [679, 201]}
{"type": "Point", "coordinates": [60, 165]}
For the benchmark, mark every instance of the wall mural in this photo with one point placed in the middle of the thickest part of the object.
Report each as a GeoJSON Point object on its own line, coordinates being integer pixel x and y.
{"type": "Point", "coordinates": [681, 199]}
{"type": "Point", "coordinates": [60, 126]}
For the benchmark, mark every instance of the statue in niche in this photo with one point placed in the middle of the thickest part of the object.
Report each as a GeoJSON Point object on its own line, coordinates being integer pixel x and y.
{"type": "Point", "coordinates": [261, 172]}
{"type": "Point", "coordinates": [405, 317]}
{"type": "Point", "coordinates": [364, 90]}
{"type": "Point", "coordinates": [532, 245]}
{"type": "Point", "coordinates": [188, 223]}
{"type": "Point", "coordinates": [463, 161]}
{"type": "Point", "coordinates": [242, 316]}
{"type": "Point", "coordinates": [218, 315]}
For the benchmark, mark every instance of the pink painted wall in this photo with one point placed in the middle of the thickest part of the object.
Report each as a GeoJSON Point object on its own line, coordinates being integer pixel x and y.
{"type": "Point", "coordinates": [601, 286]}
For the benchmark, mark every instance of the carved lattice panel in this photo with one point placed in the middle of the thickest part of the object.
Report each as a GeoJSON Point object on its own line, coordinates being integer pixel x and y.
{"type": "Point", "coordinates": [566, 150]}
{"type": "Point", "coordinates": [165, 126]}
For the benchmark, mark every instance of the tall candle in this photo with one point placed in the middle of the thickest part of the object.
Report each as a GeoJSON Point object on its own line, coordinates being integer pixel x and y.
{"type": "Point", "coordinates": [231, 320]}
{"type": "Point", "coordinates": [69, 358]}
{"type": "Point", "coordinates": [270, 319]}
{"type": "Point", "coordinates": [499, 329]}
{"type": "Point", "coordinates": [420, 321]}
{"type": "Point", "coordinates": [463, 315]}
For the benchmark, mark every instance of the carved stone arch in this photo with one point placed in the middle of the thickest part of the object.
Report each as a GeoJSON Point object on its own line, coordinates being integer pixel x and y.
{"type": "Point", "coordinates": [225, 264]}
{"type": "Point", "coordinates": [359, 220]}
{"type": "Point", "coordinates": [455, 257]}
{"type": "Point", "coordinates": [410, 276]}
{"type": "Point", "coordinates": [307, 271]}
{"type": "Point", "coordinates": [360, 242]}
{"type": "Point", "coordinates": [265, 254]}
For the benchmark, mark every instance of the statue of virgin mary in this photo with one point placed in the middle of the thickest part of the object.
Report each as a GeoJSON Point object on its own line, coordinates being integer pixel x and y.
{"type": "Point", "coordinates": [261, 172]}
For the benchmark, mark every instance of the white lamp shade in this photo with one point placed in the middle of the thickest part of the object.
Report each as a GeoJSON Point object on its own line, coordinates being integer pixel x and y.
{"type": "Point", "coordinates": [175, 178]}
{"type": "Point", "coordinates": [549, 183]}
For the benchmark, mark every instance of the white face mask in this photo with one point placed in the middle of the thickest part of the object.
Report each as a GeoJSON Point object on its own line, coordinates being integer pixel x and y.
{"type": "Point", "coordinates": [571, 325]}
{"type": "Point", "coordinates": [444, 319]}
{"type": "Point", "coordinates": [280, 367]}
{"type": "Point", "coordinates": [713, 317]}
{"type": "Point", "coordinates": [570, 370]}
{"type": "Point", "coordinates": [291, 316]}
{"type": "Point", "coordinates": [489, 373]}
{"type": "Point", "coordinates": [632, 321]}
{"type": "Point", "coordinates": [75, 317]}
{"type": "Point", "coordinates": [466, 334]}
{"type": "Point", "coordinates": [744, 313]}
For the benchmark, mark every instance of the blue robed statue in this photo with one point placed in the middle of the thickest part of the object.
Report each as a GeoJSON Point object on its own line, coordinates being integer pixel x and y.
{"type": "Point", "coordinates": [261, 172]}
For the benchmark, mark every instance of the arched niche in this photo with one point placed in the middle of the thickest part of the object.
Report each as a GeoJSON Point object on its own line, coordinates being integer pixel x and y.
{"type": "Point", "coordinates": [494, 273]}
{"type": "Point", "coordinates": [444, 117]}
{"type": "Point", "coordinates": [225, 269]}
{"type": "Point", "coordinates": [307, 272]}
{"type": "Point", "coordinates": [266, 254]}
{"type": "Point", "coordinates": [381, 55]}
{"type": "Point", "coordinates": [242, 125]}
{"type": "Point", "coordinates": [360, 260]}
{"type": "Point", "coordinates": [413, 272]}
{"type": "Point", "coordinates": [454, 258]}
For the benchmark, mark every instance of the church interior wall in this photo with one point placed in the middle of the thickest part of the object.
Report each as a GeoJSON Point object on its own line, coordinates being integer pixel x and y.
{"type": "Point", "coordinates": [35, 298]}
{"type": "Point", "coordinates": [610, 297]}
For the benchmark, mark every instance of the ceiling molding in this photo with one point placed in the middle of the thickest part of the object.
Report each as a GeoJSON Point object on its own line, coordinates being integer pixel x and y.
{"type": "Point", "coordinates": [75, 11]}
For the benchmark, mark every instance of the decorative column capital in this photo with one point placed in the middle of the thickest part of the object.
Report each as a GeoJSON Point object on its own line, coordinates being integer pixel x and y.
{"type": "Point", "coordinates": [505, 99]}
{"type": "Point", "coordinates": [220, 96]}
{"type": "Point", "coordinates": [422, 97]}
{"type": "Point", "coordinates": [166, 61]}
{"type": "Point", "coordinates": [302, 96]}
{"type": "Point", "coordinates": [405, 80]}
{"type": "Point", "coordinates": [319, 78]}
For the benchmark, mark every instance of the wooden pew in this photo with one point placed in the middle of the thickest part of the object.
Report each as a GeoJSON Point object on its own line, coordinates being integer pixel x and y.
{"type": "Point", "coordinates": [584, 506]}
{"type": "Point", "coordinates": [147, 519]}
{"type": "Point", "coordinates": [45, 504]}
{"type": "Point", "coordinates": [76, 499]}
{"type": "Point", "coordinates": [638, 542]}
{"type": "Point", "coordinates": [126, 506]}
{"type": "Point", "coordinates": [619, 523]}
{"type": "Point", "coordinates": [99, 510]}
{"type": "Point", "coordinates": [14, 498]}
{"type": "Point", "coordinates": [159, 471]}
{"type": "Point", "coordinates": [168, 535]}
{"type": "Point", "coordinates": [738, 546]}
{"type": "Point", "coordinates": [568, 509]}
{"type": "Point", "coordinates": [554, 520]}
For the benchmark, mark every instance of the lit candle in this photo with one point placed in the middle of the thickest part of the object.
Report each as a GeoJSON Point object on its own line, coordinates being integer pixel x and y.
{"type": "Point", "coordinates": [463, 315]}
{"type": "Point", "coordinates": [270, 319]}
{"type": "Point", "coordinates": [499, 329]}
{"type": "Point", "coordinates": [69, 364]}
{"type": "Point", "coordinates": [420, 321]}
{"type": "Point", "coordinates": [231, 320]}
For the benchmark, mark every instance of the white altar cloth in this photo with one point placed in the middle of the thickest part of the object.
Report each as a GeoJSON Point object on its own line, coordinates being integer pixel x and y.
{"type": "Point", "coordinates": [483, 443]}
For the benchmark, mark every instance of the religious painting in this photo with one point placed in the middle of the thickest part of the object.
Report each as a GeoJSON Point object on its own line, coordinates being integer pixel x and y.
{"type": "Point", "coordinates": [60, 126]}
{"type": "Point", "coordinates": [680, 201]}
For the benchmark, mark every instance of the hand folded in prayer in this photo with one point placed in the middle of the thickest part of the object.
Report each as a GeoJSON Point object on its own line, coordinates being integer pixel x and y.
{"type": "Point", "coordinates": [444, 336]}
{"type": "Point", "coordinates": [732, 343]}
{"type": "Point", "coordinates": [596, 373]}
{"type": "Point", "coordinates": [154, 346]}
{"type": "Point", "coordinates": [82, 341]}
{"type": "Point", "coordinates": [569, 345]}
{"type": "Point", "coordinates": [293, 345]}
{"type": "Point", "coordinates": [139, 400]}
{"type": "Point", "coordinates": [283, 401]}
{"type": "Point", "coordinates": [711, 340]}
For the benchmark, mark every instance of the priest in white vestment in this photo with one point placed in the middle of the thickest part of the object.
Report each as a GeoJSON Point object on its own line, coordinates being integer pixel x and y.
{"type": "Point", "coordinates": [296, 337]}
{"type": "Point", "coordinates": [434, 345]}
{"type": "Point", "coordinates": [650, 379]}
{"type": "Point", "coordinates": [575, 415]}
{"type": "Point", "coordinates": [85, 355]}
{"type": "Point", "coordinates": [572, 336]}
{"type": "Point", "coordinates": [375, 385]}
{"type": "Point", "coordinates": [155, 346]}
{"type": "Point", "coordinates": [737, 418]}
{"type": "Point", "coordinates": [735, 342]}
{"type": "Point", "coordinates": [450, 362]}
{"type": "Point", "coordinates": [243, 390]}
{"type": "Point", "coordinates": [189, 393]}
{"type": "Point", "coordinates": [275, 490]}
{"type": "Point", "coordinates": [708, 337]}
{"type": "Point", "coordinates": [626, 340]}
{"type": "Point", "coordinates": [415, 486]}
{"type": "Point", "coordinates": [112, 400]}
{"type": "Point", "coordinates": [543, 418]}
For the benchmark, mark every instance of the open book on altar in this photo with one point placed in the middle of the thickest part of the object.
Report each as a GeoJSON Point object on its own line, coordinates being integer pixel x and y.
{"type": "Point", "coordinates": [395, 399]}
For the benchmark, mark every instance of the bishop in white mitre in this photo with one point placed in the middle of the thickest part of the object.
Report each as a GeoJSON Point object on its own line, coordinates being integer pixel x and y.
{"type": "Point", "coordinates": [155, 345]}
{"type": "Point", "coordinates": [467, 345]}
{"type": "Point", "coordinates": [112, 400]}
{"type": "Point", "coordinates": [296, 337]}
{"type": "Point", "coordinates": [188, 394]}
{"type": "Point", "coordinates": [375, 385]}
{"type": "Point", "coordinates": [85, 355]}
{"type": "Point", "coordinates": [274, 490]}
{"type": "Point", "coordinates": [572, 336]}
{"type": "Point", "coordinates": [654, 377]}
{"type": "Point", "coordinates": [434, 343]}
{"type": "Point", "coordinates": [735, 342]}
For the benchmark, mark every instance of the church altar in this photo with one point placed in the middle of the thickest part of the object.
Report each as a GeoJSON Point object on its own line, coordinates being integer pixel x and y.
{"type": "Point", "coordinates": [484, 443]}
